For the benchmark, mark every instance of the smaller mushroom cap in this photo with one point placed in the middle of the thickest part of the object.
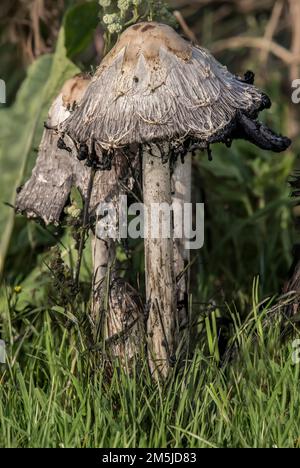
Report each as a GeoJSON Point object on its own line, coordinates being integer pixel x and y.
{"type": "Point", "coordinates": [56, 171]}
{"type": "Point", "coordinates": [70, 95]}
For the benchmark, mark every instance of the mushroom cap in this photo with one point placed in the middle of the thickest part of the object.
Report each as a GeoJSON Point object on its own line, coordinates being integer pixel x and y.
{"type": "Point", "coordinates": [155, 86]}
{"type": "Point", "coordinates": [56, 171]}
{"type": "Point", "coordinates": [70, 95]}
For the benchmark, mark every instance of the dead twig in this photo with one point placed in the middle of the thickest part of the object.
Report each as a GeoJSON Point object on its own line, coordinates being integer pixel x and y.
{"type": "Point", "coordinates": [295, 65]}
{"type": "Point", "coordinates": [184, 26]}
{"type": "Point", "coordinates": [271, 28]}
{"type": "Point", "coordinates": [257, 43]}
{"type": "Point", "coordinates": [85, 225]}
{"type": "Point", "coordinates": [295, 48]}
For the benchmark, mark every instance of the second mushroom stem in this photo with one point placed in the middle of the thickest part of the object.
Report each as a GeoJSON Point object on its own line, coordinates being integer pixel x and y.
{"type": "Point", "coordinates": [103, 253]}
{"type": "Point", "coordinates": [181, 195]}
{"type": "Point", "coordinates": [159, 265]}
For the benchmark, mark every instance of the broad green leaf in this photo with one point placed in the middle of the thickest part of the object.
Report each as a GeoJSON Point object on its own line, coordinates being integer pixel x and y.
{"type": "Point", "coordinates": [21, 129]}
{"type": "Point", "coordinates": [18, 126]}
{"type": "Point", "coordinates": [80, 23]}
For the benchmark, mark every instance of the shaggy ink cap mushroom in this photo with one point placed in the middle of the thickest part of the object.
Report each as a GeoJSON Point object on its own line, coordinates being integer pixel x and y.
{"type": "Point", "coordinates": [161, 93]}
{"type": "Point", "coordinates": [57, 169]}
{"type": "Point", "coordinates": [154, 86]}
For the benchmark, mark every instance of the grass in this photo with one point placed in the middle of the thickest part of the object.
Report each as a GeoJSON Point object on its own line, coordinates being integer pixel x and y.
{"type": "Point", "coordinates": [51, 396]}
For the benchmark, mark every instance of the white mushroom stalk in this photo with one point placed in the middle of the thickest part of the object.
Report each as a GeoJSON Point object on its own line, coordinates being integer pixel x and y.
{"type": "Point", "coordinates": [181, 194]}
{"type": "Point", "coordinates": [159, 265]}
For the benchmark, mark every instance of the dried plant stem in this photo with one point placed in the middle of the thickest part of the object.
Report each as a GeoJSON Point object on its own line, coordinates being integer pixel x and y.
{"type": "Point", "coordinates": [295, 18]}
{"type": "Point", "coordinates": [257, 43]}
{"type": "Point", "coordinates": [85, 226]}
{"type": "Point", "coordinates": [295, 65]}
{"type": "Point", "coordinates": [184, 26]}
{"type": "Point", "coordinates": [159, 266]}
{"type": "Point", "coordinates": [181, 194]}
{"type": "Point", "coordinates": [103, 253]}
{"type": "Point", "coordinates": [272, 27]}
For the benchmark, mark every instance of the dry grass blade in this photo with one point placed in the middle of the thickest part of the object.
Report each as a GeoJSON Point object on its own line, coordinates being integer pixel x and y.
{"type": "Point", "coordinates": [271, 27]}
{"type": "Point", "coordinates": [256, 43]}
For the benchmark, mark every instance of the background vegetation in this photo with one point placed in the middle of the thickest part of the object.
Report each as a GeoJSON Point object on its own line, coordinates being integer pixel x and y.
{"type": "Point", "coordinates": [239, 387]}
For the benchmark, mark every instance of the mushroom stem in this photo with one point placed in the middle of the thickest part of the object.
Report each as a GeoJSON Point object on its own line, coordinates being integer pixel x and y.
{"type": "Point", "coordinates": [159, 266]}
{"type": "Point", "coordinates": [117, 309]}
{"type": "Point", "coordinates": [103, 253]}
{"type": "Point", "coordinates": [181, 194]}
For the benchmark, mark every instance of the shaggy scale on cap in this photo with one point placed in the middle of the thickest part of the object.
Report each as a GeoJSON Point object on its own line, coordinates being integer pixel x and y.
{"type": "Point", "coordinates": [155, 86]}
{"type": "Point", "coordinates": [56, 171]}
